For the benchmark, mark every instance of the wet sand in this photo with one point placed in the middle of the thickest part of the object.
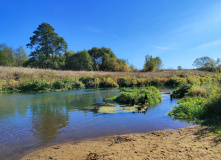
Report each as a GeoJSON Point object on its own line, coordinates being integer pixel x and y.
{"type": "Point", "coordinates": [186, 143]}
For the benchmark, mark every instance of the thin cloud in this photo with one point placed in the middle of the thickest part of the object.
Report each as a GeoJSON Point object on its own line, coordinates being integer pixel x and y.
{"type": "Point", "coordinates": [163, 48]}
{"type": "Point", "coordinates": [92, 30]}
{"type": "Point", "coordinates": [115, 36]}
{"type": "Point", "coordinates": [210, 44]}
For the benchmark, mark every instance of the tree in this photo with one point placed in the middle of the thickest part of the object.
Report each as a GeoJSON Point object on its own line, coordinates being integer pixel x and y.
{"type": "Point", "coordinates": [96, 56]}
{"type": "Point", "coordinates": [80, 61]}
{"type": "Point", "coordinates": [159, 63]}
{"type": "Point", "coordinates": [152, 64]}
{"type": "Point", "coordinates": [49, 48]}
{"type": "Point", "coordinates": [204, 62]}
{"type": "Point", "coordinates": [21, 56]}
{"type": "Point", "coordinates": [68, 55]}
{"type": "Point", "coordinates": [7, 55]}
{"type": "Point", "coordinates": [207, 63]}
{"type": "Point", "coordinates": [102, 58]}
{"type": "Point", "coordinates": [179, 68]}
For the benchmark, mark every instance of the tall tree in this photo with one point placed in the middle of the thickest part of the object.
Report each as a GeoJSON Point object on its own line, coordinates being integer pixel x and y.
{"type": "Point", "coordinates": [204, 62]}
{"type": "Point", "coordinates": [96, 55]}
{"type": "Point", "coordinates": [49, 48]}
{"type": "Point", "coordinates": [207, 63]}
{"type": "Point", "coordinates": [152, 64]}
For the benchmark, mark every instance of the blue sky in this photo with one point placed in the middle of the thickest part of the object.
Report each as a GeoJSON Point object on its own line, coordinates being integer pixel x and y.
{"type": "Point", "coordinates": [178, 31]}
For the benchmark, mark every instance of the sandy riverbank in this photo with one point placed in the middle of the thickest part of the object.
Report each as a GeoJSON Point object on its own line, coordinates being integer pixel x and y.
{"type": "Point", "coordinates": [186, 143]}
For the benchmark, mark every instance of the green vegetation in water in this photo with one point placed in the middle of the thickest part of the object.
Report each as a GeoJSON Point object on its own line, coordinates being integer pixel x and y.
{"type": "Point", "coordinates": [201, 105]}
{"type": "Point", "coordinates": [149, 96]}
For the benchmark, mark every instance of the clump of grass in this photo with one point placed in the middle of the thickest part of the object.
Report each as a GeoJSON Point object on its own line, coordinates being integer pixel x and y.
{"type": "Point", "coordinates": [150, 95]}
{"type": "Point", "coordinates": [176, 81]}
{"type": "Point", "coordinates": [190, 108]}
{"type": "Point", "coordinates": [197, 91]}
{"type": "Point", "coordinates": [181, 91]}
{"type": "Point", "coordinates": [108, 82]}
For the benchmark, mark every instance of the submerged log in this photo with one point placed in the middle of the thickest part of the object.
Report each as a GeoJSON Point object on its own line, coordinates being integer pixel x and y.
{"type": "Point", "coordinates": [171, 97]}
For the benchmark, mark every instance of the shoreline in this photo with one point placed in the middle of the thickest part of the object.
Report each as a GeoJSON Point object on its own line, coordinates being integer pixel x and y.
{"type": "Point", "coordinates": [186, 143]}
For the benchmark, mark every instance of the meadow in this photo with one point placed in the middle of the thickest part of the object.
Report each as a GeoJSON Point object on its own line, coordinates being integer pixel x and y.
{"type": "Point", "coordinates": [18, 79]}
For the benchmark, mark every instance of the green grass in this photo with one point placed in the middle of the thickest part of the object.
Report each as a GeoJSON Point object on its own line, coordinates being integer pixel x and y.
{"type": "Point", "coordinates": [138, 95]}
{"type": "Point", "coordinates": [14, 79]}
{"type": "Point", "coordinates": [200, 105]}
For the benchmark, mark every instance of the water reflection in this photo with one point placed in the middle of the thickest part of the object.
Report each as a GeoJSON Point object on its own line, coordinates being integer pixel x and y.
{"type": "Point", "coordinates": [48, 120]}
{"type": "Point", "coordinates": [33, 120]}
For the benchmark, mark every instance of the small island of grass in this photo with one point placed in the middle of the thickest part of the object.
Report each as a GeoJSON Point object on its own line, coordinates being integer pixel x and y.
{"type": "Point", "coordinates": [144, 96]}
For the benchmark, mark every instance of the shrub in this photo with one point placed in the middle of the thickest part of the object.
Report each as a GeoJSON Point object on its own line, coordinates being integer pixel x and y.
{"type": "Point", "coordinates": [175, 81]}
{"type": "Point", "coordinates": [90, 82]}
{"type": "Point", "coordinates": [36, 85]}
{"type": "Point", "coordinates": [181, 91]}
{"type": "Point", "coordinates": [138, 95]}
{"type": "Point", "coordinates": [192, 109]}
{"type": "Point", "coordinates": [143, 81]}
{"type": "Point", "coordinates": [124, 82]}
{"type": "Point", "coordinates": [108, 82]}
{"type": "Point", "coordinates": [197, 91]}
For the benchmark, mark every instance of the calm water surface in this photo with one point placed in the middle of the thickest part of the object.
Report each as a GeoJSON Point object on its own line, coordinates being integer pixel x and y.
{"type": "Point", "coordinates": [31, 121]}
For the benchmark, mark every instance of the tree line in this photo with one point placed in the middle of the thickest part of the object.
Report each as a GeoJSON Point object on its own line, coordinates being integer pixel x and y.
{"type": "Point", "coordinates": [51, 51]}
{"type": "Point", "coordinates": [12, 57]}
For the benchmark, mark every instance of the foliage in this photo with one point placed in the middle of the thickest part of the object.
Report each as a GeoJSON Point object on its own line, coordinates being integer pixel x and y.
{"type": "Point", "coordinates": [90, 82]}
{"type": "Point", "coordinates": [20, 76]}
{"type": "Point", "coordinates": [179, 68]}
{"type": "Point", "coordinates": [49, 48]}
{"type": "Point", "coordinates": [176, 81]}
{"type": "Point", "coordinates": [138, 95]}
{"type": "Point", "coordinates": [200, 107]}
{"type": "Point", "coordinates": [152, 64]}
{"type": "Point", "coordinates": [181, 91]}
{"type": "Point", "coordinates": [11, 57]}
{"type": "Point", "coordinates": [108, 82]}
{"type": "Point", "coordinates": [103, 59]}
{"type": "Point", "coordinates": [207, 63]}
{"type": "Point", "coordinates": [79, 61]}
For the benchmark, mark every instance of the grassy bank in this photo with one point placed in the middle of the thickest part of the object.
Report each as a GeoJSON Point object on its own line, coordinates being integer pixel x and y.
{"type": "Point", "coordinates": [201, 105]}
{"type": "Point", "coordinates": [14, 79]}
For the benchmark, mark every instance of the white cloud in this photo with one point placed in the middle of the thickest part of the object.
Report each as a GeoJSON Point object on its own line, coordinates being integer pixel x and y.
{"type": "Point", "coordinates": [210, 44]}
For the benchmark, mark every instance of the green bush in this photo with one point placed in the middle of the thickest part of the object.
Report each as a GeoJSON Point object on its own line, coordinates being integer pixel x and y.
{"type": "Point", "coordinates": [143, 81]}
{"type": "Point", "coordinates": [90, 82]}
{"type": "Point", "coordinates": [108, 82]}
{"type": "Point", "coordinates": [36, 85]}
{"type": "Point", "coordinates": [125, 82]}
{"type": "Point", "coordinates": [175, 81]}
{"type": "Point", "coordinates": [190, 108]}
{"type": "Point", "coordinates": [181, 91]}
{"type": "Point", "coordinates": [138, 95]}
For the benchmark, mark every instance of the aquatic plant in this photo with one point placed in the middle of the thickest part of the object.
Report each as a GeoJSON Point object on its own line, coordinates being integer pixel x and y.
{"type": "Point", "coordinates": [149, 96]}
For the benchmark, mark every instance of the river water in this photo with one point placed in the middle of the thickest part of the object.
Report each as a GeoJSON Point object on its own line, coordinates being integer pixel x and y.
{"type": "Point", "coordinates": [29, 121]}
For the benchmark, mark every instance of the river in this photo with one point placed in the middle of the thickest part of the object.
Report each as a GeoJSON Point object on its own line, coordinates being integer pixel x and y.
{"type": "Point", "coordinates": [30, 121]}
